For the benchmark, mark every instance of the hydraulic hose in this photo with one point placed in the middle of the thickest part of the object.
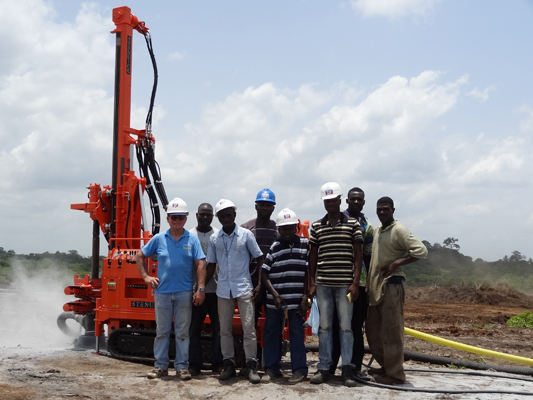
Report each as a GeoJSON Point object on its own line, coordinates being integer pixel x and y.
{"type": "Point", "coordinates": [437, 360]}
{"type": "Point", "coordinates": [62, 323]}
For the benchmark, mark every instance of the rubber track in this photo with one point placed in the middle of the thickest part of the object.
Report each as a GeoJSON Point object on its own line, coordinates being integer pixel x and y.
{"type": "Point", "coordinates": [133, 344]}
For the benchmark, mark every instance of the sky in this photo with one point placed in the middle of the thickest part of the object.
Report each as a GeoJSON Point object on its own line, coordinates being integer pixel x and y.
{"type": "Point", "coordinates": [428, 102]}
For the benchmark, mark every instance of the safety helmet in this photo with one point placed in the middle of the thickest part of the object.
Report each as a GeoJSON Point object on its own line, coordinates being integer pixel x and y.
{"type": "Point", "coordinates": [330, 190]}
{"type": "Point", "coordinates": [286, 217]}
{"type": "Point", "coordinates": [266, 195]}
{"type": "Point", "coordinates": [177, 207]}
{"type": "Point", "coordinates": [222, 204]}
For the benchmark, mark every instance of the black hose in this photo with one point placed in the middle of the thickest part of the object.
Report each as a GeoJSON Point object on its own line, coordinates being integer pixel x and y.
{"type": "Point", "coordinates": [427, 358]}
{"type": "Point", "coordinates": [411, 355]}
{"type": "Point", "coordinates": [444, 391]}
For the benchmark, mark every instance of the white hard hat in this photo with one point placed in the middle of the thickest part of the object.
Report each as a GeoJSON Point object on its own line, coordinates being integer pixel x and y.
{"type": "Point", "coordinates": [177, 207]}
{"type": "Point", "coordinates": [330, 190]}
{"type": "Point", "coordinates": [286, 217]}
{"type": "Point", "coordinates": [222, 204]}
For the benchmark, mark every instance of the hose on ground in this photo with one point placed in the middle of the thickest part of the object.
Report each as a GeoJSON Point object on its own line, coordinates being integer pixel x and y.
{"type": "Point", "coordinates": [437, 360]}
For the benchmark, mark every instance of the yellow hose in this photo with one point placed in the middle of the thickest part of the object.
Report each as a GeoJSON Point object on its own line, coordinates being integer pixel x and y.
{"type": "Point", "coordinates": [465, 347]}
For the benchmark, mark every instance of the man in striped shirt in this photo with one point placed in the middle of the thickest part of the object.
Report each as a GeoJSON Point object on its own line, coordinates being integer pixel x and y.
{"type": "Point", "coordinates": [334, 272]}
{"type": "Point", "coordinates": [285, 278]}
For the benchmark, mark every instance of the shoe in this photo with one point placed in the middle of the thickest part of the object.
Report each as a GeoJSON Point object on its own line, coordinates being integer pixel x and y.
{"type": "Point", "coordinates": [387, 380]}
{"type": "Point", "coordinates": [228, 372]}
{"type": "Point", "coordinates": [217, 369]}
{"type": "Point", "coordinates": [251, 372]}
{"type": "Point", "coordinates": [183, 374]}
{"type": "Point", "coordinates": [376, 371]}
{"type": "Point", "coordinates": [194, 370]}
{"type": "Point", "coordinates": [296, 378]}
{"type": "Point", "coordinates": [270, 375]}
{"type": "Point", "coordinates": [348, 376]}
{"type": "Point", "coordinates": [157, 373]}
{"type": "Point", "coordinates": [362, 376]}
{"type": "Point", "coordinates": [321, 376]}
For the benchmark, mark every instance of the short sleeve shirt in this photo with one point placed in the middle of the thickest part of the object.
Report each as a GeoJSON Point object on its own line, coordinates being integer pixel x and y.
{"type": "Point", "coordinates": [335, 250]}
{"type": "Point", "coordinates": [175, 260]}
{"type": "Point", "coordinates": [233, 253]}
{"type": "Point", "coordinates": [211, 286]}
{"type": "Point", "coordinates": [286, 266]}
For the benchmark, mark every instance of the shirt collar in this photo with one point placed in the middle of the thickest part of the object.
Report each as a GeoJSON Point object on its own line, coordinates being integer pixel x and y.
{"type": "Point", "coordinates": [235, 231]}
{"type": "Point", "coordinates": [343, 218]}
{"type": "Point", "coordinates": [185, 234]}
{"type": "Point", "coordinates": [360, 217]}
{"type": "Point", "coordinates": [294, 242]}
{"type": "Point", "coordinates": [389, 227]}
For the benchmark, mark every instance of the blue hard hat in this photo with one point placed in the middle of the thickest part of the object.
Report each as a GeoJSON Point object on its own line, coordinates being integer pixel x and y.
{"type": "Point", "coordinates": [266, 195]}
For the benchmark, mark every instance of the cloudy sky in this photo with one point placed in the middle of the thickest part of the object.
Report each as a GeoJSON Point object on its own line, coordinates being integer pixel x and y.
{"type": "Point", "coordinates": [429, 102]}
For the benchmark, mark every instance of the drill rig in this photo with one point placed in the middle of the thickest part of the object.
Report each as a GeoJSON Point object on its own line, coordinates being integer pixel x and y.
{"type": "Point", "coordinates": [119, 297]}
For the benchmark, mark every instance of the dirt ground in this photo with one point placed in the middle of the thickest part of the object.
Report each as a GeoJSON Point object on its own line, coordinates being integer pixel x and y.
{"type": "Point", "coordinates": [474, 316]}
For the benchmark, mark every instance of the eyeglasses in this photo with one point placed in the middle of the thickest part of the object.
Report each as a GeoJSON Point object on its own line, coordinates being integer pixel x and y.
{"type": "Point", "coordinates": [177, 217]}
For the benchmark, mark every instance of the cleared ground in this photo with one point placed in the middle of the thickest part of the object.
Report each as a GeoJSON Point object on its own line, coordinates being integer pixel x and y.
{"type": "Point", "coordinates": [474, 316]}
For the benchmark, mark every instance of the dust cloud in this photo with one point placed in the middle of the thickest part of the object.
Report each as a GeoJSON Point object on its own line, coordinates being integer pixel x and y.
{"type": "Point", "coordinates": [29, 308]}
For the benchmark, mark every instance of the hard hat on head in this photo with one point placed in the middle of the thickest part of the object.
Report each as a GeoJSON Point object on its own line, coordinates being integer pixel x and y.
{"type": "Point", "coordinates": [286, 217]}
{"type": "Point", "coordinates": [177, 207]}
{"type": "Point", "coordinates": [266, 195]}
{"type": "Point", "coordinates": [222, 204]}
{"type": "Point", "coordinates": [330, 190]}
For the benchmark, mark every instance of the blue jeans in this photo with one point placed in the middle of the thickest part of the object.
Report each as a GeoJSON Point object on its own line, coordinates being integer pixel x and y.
{"type": "Point", "coordinates": [273, 330]}
{"type": "Point", "coordinates": [326, 296]}
{"type": "Point", "coordinates": [179, 306]}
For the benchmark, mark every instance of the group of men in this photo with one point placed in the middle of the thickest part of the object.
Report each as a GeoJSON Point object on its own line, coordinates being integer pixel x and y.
{"type": "Point", "coordinates": [353, 270]}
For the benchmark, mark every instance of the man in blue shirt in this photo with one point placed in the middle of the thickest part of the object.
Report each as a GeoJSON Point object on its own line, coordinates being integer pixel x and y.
{"type": "Point", "coordinates": [232, 247]}
{"type": "Point", "coordinates": [178, 252]}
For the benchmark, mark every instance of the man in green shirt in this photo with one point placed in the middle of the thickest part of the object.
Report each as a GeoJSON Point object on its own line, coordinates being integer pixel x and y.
{"type": "Point", "coordinates": [393, 246]}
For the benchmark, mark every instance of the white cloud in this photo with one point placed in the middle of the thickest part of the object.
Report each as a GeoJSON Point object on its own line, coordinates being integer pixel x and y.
{"type": "Point", "coordinates": [176, 56]}
{"type": "Point", "coordinates": [482, 95]}
{"type": "Point", "coordinates": [526, 125]}
{"type": "Point", "coordinates": [499, 164]}
{"type": "Point", "coordinates": [393, 8]}
{"type": "Point", "coordinates": [56, 103]}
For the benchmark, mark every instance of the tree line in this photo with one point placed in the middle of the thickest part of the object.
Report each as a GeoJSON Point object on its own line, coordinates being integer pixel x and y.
{"type": "Point", "coordinates": [445, 266]}
{"type": "Point", "coordinates": [69, 263]}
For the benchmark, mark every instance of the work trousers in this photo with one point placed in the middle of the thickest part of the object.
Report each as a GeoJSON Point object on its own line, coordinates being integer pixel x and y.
{"type": "Point", "coordinates": [209, 306]}
{"type": "Point", "coordinates": [226, 308]}
{"type": "Point", "coordinates": [385, 330]}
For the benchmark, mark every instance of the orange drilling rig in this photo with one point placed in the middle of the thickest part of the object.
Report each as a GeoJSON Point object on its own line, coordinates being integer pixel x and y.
{"type": "Point", "coordinates": [118, 297]}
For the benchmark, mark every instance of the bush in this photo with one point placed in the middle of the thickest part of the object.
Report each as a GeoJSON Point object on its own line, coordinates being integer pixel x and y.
{"type": "Point", "coordinates": [524, 320]}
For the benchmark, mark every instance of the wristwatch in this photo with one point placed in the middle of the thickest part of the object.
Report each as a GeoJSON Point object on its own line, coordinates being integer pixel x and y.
{"type": "Point", "coordinates": [201, 289]}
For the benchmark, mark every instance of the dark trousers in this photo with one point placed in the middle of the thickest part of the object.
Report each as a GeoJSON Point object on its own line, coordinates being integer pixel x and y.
{"type": "Point", "coordinates": [274, 323]}
{"type": "Point", "coordinates": [358, 319]}
{"type": "Point", "coordinates": [209, 306]}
